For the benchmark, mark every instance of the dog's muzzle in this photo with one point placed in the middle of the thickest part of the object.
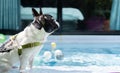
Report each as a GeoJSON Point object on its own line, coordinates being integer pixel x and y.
{"type": "Point", "coordinates": [57, 25]}
{"type": "Point", "coordinates": [51, 26]}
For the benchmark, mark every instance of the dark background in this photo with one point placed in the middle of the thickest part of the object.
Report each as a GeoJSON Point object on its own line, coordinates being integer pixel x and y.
{"type": "Point", "coordinates": [86, 6]}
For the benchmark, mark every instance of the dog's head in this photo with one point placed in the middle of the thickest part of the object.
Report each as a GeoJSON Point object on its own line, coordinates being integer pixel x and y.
{"type": "Point", "coordinates": [45, 21]}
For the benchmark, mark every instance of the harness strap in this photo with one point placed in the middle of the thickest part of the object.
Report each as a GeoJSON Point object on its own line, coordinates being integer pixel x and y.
{"type": "Point", "coordinates": [28, 45]}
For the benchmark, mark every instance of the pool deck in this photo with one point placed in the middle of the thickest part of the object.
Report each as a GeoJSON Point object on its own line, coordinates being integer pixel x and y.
{"type": "Point", "coordinates": [66, 69]}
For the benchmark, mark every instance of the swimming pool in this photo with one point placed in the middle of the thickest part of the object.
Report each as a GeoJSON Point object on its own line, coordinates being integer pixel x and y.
{"type": "Point", "coordinates": [82, 54]}
{"type": "Point", "coordinates": [78, 51]}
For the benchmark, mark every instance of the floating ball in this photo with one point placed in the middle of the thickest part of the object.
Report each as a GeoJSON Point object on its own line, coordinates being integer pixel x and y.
{"type": "Point", "coordinates": [53, 45]}
{"type": "Point", "coordinates": [47, 56]}
{"type": "Point", "coordinates": [58, 55]}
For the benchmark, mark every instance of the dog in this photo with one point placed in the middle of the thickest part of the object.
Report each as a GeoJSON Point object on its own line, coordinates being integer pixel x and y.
{"type": "Point", "coordinates": [22, 47]}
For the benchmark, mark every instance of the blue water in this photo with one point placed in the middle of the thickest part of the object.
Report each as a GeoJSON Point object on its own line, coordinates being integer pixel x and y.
{"type": "Point", "coordinates": [85, 54]}
{"type": "Point", "coordinates": [83, 50]}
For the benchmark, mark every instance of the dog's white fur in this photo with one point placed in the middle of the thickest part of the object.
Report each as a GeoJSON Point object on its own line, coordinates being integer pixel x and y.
{"type": "Point", "coordinates": [28, 35]}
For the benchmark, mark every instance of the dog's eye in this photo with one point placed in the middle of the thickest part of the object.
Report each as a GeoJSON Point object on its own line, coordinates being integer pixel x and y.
{"type": "Point", "coordinates": [48, 17]}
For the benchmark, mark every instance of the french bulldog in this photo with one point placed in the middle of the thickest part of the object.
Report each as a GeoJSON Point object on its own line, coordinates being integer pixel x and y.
{"type": "Point", "coordinates": [22, 47]}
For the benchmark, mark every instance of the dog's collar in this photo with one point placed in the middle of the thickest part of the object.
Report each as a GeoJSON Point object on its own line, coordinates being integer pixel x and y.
{"type": "Point", "coordinates": [28, 45]}
{"type": "Point", "coordinates": [38, 24]}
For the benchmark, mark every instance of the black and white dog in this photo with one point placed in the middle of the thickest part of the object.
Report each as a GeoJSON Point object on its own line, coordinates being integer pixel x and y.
{"type": "Point", "coordinates": [25, 45]}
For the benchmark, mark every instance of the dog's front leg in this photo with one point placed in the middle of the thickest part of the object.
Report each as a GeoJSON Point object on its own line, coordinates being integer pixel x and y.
{"type": "Point", "coordinates": [31, 61]}
{"type": "Point", "coordinates": [32, 56]}
{"type": "Point", "coordinates": [23, 64]}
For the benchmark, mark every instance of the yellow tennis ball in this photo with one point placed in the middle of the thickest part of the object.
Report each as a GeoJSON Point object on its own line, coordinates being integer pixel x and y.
{"type": "Point", "coordinates": [53, 44]}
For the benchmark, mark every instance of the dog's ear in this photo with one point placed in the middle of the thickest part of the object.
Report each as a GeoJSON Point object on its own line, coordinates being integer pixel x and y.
{"type": "Point", "coordinates": [41, 11]}
{"type": "Point", "coordinates": [34, 12]}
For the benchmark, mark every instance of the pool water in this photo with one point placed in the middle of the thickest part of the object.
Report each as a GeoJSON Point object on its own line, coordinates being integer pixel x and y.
{"type": "Point", "coordinates": [82, 54]}
{"type": "Point", "coordinates": [97, 53]}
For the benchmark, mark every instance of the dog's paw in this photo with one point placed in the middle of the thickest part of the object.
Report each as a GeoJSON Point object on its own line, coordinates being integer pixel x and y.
{"type": "Point", "coordinates": [24, 71]}
{"type": "Point", "coordinates": [27, 70]}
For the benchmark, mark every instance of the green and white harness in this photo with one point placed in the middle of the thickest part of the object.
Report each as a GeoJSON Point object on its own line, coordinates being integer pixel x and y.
{"type": "Point", "coordinates": [28, 45]}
